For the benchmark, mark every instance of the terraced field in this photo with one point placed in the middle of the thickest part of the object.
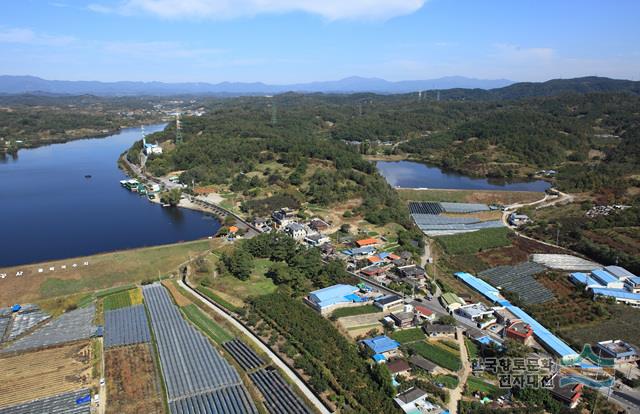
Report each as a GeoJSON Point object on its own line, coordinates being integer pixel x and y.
{"type": "Point", "coordinates": [44, 373]}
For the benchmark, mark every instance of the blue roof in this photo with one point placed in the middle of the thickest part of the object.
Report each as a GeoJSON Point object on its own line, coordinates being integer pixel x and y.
{"type": "Point", "coordinates": [383, 255]}
{"type": "Point", "coordinates": [604, 276]}
{"type": "Point", "coordinates": [381, 344]}
{"type": "Point", "coordinates": [616, 293]}
{"type": "Point", "coordinates": [355, 298]}
{"type": "Point", "coordinates": [634, 280]}
{"type": "Point", "coordinates": [553, 342]}
{"type": "Point", "coordinates": [379, 357]}
{"type": "Point", "coordinates": [584, 278]}
{"type": "Point", "coordinates": [481, 286]}
{"type": "Point", "coordinates": [332, 295]}
{"type": "Point", "coordinates": [486, 340]}
{"type": "Point", "coordinates": [542, 333]}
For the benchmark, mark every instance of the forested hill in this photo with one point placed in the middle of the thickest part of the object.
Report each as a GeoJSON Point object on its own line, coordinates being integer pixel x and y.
{"type": "Point", "coordinates": [554, 87]}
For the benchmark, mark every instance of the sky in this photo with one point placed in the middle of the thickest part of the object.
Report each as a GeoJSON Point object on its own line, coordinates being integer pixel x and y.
{"type": "Point", "coordinates": [292, 41]}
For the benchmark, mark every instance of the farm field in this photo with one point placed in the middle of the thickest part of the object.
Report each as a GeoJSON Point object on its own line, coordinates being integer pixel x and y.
{"type": "Point", "coordinates": [358, 325]}
{"type": "Point", "coordinates": [517, 252]}
{"type": "Point", "coordinates": [206, 325]}
{"type": "Point", "coordinates": [437, 354]}
{"type": "Point", "coordinates": [44, 373]}
{"type": "Point", "coordinates": [132, 381]}
{"type": "Point", "coordinates": [448, 381]}
{"type": "Point", "coordinates": [353, 311]}
{"type": "Point", "coordinates": [475, 241]}
{"type": "Point", "coordinates": [470, 196]}
{"type": "Point", "coordinates": [235, 291]}
{"type": "Point", "coordinates": [476, 384]}
{"type": "Point", "coordinates": [103, 271]}
{"type": "Point", "coordinates": [123, 299]}
{"type": "Point", "coordinates": [408, 335]}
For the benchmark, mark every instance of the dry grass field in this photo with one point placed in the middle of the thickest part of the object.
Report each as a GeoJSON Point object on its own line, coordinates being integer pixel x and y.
{"type": "Point", "coordinates": [44, 373]}
{"type": "Point", "coordinates": [103, 271]}
{"type": "Point", "coordinates": [133, 385]}
{"type": "Point", "coordinates": [470, 196]}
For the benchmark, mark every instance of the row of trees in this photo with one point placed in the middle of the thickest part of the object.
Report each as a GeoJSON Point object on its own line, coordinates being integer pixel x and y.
{"type": "Point", "coordinates": [327, 356]}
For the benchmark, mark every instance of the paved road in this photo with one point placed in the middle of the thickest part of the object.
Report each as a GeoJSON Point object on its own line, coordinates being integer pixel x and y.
{"type": "Point", "coordinates": [273, 356]}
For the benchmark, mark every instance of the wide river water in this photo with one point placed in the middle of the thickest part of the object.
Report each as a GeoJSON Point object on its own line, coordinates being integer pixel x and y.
{"type": "Point", "coordinates": [407, 174]}
{"type": "Point", "coordinates": [49, 210]}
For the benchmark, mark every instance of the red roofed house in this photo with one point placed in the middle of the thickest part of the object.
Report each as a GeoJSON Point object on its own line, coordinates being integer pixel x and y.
{"type": "Point", "coordinates": [398, 366]}
{"type": "Point", "coordinates": [366, 242]}
{"type": "Point", "coordinates": [424, 313]}
{"type": "Point", "coordinates": [373, 271]}
{"type": "Point", "coordinates": [233, 229]}
{"type": "Point", "coordinates": [519, 331]}
{"type": "Point", "coordinates": [374, 259]}
{"type": "Point", "coordinates": [393, 256]}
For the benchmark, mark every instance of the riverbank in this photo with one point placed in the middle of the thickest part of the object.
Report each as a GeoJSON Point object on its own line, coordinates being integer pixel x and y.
{"type": "Point", "coordinates": [73, 135]}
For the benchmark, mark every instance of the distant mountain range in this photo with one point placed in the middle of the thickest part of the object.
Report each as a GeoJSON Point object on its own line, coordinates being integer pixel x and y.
{"type": "Point", "coordinates": [450, 88]}
{"type": "Point", "coordinates": [32, 84]}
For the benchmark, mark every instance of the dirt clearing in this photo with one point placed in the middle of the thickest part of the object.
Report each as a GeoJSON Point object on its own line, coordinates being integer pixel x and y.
{"type": "Point", "coordinates": [133, 386]}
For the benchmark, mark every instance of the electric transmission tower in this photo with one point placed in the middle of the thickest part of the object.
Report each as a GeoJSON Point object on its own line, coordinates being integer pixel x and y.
{"type": "Point", "coordinates": [178, 129]}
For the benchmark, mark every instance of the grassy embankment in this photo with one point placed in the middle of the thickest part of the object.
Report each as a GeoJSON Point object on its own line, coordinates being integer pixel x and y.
{"type": "Point", "coordinates": [58, 289]}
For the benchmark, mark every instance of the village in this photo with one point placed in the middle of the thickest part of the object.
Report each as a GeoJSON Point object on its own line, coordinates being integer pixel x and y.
{"type": "Point", "coordinates": [443, 343]}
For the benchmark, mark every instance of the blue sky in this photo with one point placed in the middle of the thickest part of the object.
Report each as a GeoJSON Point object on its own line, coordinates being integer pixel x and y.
{"type": "Point", "coordinates": [288, 41]}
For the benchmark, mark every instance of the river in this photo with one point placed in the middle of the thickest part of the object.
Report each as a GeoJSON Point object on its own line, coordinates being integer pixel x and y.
{"type": "Point", "coordinates": [49, 210]}
{"type": "Point", "coordinates": [407, 174]}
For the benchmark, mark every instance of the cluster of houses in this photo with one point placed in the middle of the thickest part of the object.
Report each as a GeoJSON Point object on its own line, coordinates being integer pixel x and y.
{"type": "Point", "coordinates": [367, 257]}
{"type": "Point", "coordinates": [596, 211]}
{"type": "Point", "coordinates": [286, 220]}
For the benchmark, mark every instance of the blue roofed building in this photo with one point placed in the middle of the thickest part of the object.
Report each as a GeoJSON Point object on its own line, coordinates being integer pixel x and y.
{"type": "Point", "coordinates": [632, 284]}
{"type": "Point", "coordinates": [542, 334]}
{"type": "Point", "coordinates": [584, 279]}
{"type": "Point", "coordinates": [382, 347]}
{"type": "Point", "coordinates": [606, 279]}
{"type": "Point", "coordinates": [334, 297]}
{"type": "Point", "coordinates": [620, 272]}
{"type": "Point", "coordinates": [619, 295]}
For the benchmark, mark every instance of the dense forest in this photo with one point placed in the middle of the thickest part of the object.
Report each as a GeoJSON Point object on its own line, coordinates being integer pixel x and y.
{"type": "Point", "coordinates": [284, 152]}
{"type": "Point", "coordinates": [589, 137]}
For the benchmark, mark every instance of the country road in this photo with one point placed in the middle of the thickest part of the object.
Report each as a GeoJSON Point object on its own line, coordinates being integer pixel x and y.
{"type": "Point", "coordinates": [272, 355]}
{"type": "Point", "coordinates": [455, 395]}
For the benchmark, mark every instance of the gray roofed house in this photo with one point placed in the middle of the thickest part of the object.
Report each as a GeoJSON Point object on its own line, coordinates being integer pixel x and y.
{"type": "Point", "coordinates": [423, 363]}
{"type": "Point", "coordinates": [439, 330]}
{"type": "Point", "coordinates": [410, 395]}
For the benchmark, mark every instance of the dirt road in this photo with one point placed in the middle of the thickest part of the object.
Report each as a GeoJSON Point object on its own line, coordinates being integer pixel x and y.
{"type": "Point", "coordinates": [456, 394]}
{"type": "Point", "coordinates": [275, 358]}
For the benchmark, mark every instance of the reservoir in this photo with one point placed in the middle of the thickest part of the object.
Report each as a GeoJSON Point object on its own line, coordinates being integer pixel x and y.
{"type": "Point", "coordinates": [49, 210]}
{"type": "Point", "coordinates": [407, 174]}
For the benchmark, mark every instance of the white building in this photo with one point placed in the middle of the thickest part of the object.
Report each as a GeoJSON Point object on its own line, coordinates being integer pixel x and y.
{"type": "Point", "coordinates": [295, 230]}
{"type": "Point", "coordinates": [475, 311]}
{"type": "Point", "coordinates": [317, 239]}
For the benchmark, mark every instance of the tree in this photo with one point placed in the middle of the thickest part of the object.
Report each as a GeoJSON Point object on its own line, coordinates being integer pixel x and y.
{"type": "Point", "coordinates": [239, 263]}
{"type": "Point", "coordinates": [171, 197]}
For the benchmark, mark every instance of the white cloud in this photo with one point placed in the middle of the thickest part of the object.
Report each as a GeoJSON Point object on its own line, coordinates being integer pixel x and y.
{"type": "Point", "coordinates": [226, 9]}
{"type": "Point", "coordinates": [28, 36]}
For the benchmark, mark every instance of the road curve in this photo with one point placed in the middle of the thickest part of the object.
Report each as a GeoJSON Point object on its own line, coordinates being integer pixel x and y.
{"type": "Point", "coordinates": [274, 357]}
